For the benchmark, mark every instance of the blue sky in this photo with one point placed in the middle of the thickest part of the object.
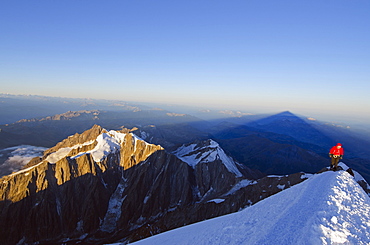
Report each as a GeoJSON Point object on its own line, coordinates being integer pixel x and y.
{"type": "Point", "coordinates": [310, 57]}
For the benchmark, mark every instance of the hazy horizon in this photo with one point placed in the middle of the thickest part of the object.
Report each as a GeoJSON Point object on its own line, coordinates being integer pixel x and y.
{"type": "Point", "coordinates": [311, 58]}
{"type": "Point", "coordinates": [196, 110]}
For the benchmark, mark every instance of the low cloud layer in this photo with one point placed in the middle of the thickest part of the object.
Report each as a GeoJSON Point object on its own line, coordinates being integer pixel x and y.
{"type": "Point", "coordinates": [18, 156]}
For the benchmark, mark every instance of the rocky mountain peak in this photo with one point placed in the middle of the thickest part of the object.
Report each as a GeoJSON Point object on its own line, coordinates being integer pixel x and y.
{"type": "Point", "coordinates": [205, 152]}
{"type": "Point", "coordinates": [92, 152]}
{"type": "Point", "coordinates": [88, 135]}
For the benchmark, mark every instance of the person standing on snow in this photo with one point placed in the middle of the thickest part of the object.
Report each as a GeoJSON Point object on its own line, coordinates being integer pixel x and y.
{"type": "Point", "coordinates": [336, 153]}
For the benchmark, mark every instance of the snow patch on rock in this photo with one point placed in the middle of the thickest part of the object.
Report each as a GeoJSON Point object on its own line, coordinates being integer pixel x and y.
{"type": "Point", "coordinates": [114, 208]}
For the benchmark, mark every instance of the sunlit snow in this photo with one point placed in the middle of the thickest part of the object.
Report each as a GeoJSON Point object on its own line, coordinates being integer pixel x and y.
{"type": "Point", "coordinates": [63, 152]}
{"type": "Point", "coordinates": [106, 143]}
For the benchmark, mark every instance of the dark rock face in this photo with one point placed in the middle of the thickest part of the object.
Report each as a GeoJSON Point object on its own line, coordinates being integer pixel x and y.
{"type": "Point", "coordinates": [50, 211]}
{"type": "Point", "coordinates": [161, 184]}
{"type": "Point", "coordinates": [100, 187]}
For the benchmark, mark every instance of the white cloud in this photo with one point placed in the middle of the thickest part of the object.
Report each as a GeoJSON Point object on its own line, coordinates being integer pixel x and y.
{"type": "Point", "coordinates": [17, 157]}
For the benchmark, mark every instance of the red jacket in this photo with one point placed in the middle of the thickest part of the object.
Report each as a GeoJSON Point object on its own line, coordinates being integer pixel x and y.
{"type": "Point", "coordinates": [335, 151]}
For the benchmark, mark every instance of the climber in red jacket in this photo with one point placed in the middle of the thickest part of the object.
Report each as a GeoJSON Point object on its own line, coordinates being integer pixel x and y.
{"type": "Point", "coordinates": [336, 153]}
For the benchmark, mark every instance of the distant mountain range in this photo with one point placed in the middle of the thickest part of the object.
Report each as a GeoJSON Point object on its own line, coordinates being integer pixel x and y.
{"type": "Point", "coordinates": [17, 107]}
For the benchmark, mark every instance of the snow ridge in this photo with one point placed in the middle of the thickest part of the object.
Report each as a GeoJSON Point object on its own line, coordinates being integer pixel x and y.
{"type": "Point", "coordinates": [327, 208]}
{"type": "Point", "coordinates": [63, 152]}
{"type": "Point", "coordinates": [194, 154]}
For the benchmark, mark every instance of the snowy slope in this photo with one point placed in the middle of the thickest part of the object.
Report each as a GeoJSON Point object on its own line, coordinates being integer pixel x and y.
{"type": "Point", "coordinates": [328, 208]}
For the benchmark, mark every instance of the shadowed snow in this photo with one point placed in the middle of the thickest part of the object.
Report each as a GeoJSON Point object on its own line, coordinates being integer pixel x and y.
{"type": "Point", "coordinates": [193, 154]}
{"type": "Point", "coordinates": [328, 208]}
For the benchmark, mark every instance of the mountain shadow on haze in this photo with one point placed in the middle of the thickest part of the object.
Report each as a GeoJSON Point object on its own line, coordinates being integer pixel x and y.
{"type": "Point", "coordinates": [287, 123]}
{"type": "Point", "coordinates": [285, 143]}
{"type": "Point", "coordinates": [318, 133]}
{"type": "Point", "coordinates": [273, 154]}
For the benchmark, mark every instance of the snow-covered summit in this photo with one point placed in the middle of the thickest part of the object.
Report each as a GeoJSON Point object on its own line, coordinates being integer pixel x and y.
{"type": "Point", "coordinates": [328, 208]}
{"type": "Point", "coordinates": [105, 143]}
{"type": "Point", "coordinates": [206, 151]}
